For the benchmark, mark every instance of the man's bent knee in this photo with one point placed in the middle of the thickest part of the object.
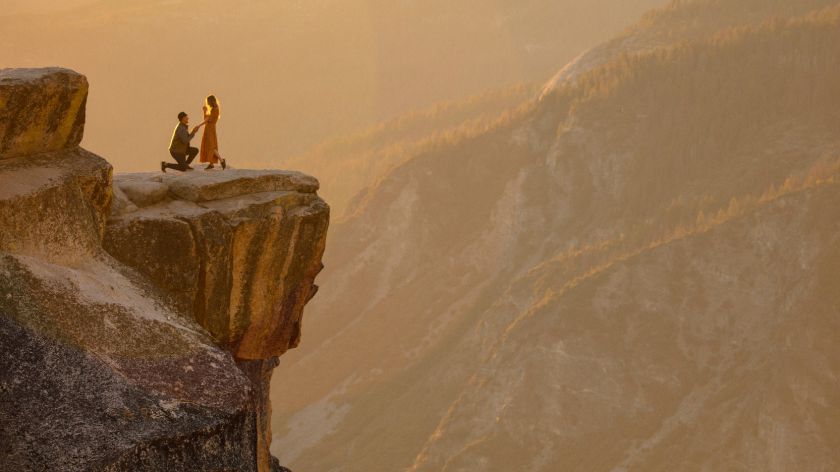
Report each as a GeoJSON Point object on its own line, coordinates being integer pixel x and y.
{"type": "Point", "coordinates": [193, 152]}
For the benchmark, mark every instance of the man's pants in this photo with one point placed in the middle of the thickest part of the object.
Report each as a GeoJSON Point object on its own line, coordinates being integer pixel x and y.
{"type": "Point", "coordinates": [183, 160]}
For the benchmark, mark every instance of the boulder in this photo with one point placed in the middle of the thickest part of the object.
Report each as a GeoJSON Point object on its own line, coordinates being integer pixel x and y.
{"type": "Point", "coordinates": [145, 190]}
{"type": "Point", "coordinates": [41, 110]}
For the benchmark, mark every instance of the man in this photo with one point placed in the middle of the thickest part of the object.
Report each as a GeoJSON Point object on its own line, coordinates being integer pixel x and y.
{"type": "Point", "coordinates": [179, 147]}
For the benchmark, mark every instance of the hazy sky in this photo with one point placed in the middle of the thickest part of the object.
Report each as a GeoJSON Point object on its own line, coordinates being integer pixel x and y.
{"type": "Point", "coordinates": [289, 73]}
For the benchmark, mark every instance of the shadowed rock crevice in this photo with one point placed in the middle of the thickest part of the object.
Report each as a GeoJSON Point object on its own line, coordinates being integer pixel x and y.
{"type": "Point", "coordinates": [213, 239]}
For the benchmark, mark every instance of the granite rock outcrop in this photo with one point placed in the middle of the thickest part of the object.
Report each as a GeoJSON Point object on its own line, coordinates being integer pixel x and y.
{"type": "Point", "coordinates": [141, 316]}
{"type": "Point", "coordinates": [41, 110]}
{"type": "Point", "coordinates": [240, 249]}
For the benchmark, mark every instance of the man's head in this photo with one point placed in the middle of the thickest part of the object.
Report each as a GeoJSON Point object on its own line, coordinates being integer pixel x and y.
{"type": "Point", "coordinates": [184, 118]}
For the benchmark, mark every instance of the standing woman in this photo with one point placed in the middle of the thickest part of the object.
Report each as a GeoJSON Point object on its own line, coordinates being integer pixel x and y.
{"type": "Point", "coordinates": [209, 143]}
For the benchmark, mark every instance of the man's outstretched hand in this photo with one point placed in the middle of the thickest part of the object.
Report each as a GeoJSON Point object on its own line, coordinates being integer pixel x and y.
{"type": "Point", "coordinates": [195, 129]}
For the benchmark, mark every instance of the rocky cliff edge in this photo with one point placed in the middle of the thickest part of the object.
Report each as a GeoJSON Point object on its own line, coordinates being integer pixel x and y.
{"type": "Point", "coordinates": [140, 315]}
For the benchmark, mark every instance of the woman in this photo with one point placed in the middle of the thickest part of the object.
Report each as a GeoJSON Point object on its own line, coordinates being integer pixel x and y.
{"type": "Point", "coordinates": [209, 143]}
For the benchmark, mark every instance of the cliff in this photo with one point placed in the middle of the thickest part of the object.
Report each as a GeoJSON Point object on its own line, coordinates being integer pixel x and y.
{"type": "Point", "coordinates": [141, 316]}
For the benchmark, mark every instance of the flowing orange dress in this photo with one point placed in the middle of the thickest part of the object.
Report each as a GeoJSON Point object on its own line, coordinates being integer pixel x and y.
{"type": "Point", "coordinates": [209, 142]}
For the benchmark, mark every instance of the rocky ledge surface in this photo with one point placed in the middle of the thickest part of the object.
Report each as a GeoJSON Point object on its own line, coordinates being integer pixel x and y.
{"type": "Point", "coordinates": [141, 315]}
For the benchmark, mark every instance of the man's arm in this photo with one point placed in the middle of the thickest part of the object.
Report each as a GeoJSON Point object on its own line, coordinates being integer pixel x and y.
{"type": "Point", "coordinates": [184, 136]}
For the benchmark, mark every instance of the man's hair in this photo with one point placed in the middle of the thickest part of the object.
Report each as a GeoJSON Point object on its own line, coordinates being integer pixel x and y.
{"type": "Point", "coordinates": [181, 116]}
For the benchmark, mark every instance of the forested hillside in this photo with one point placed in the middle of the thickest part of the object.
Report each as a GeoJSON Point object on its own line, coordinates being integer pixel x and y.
{"type": "Point", "coordinates": [354, 162]}
{"type": "Point", "coordinates": [350, 163]}
{"type": "Point", "coordinates": [634, 272]}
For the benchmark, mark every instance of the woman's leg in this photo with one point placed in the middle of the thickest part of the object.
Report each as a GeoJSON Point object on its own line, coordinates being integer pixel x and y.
{"type": "Point", "coordinates": [216, 158]}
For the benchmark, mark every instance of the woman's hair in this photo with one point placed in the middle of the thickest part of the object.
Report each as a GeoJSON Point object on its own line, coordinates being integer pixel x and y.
{"type": "Point", "coordinates": [212, 102]}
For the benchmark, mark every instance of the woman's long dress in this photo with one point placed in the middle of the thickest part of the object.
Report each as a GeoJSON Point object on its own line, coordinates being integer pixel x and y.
{"type": "Point", "coordinates": [209, 142]}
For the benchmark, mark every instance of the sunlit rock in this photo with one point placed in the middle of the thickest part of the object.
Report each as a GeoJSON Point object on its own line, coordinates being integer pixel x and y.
{"type": "Point", "coordinates": [240, 249]}
{"type": "Point", "coordinates": [41, 110]}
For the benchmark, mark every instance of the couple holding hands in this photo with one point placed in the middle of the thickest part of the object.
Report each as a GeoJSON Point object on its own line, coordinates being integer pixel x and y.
{"type": "Point", "coordinates": [180, 148]}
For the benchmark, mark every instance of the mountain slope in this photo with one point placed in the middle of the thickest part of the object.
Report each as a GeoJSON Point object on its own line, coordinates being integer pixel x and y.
{"type": "Point", "coordinates": [354, 162]}
{"type": "Point", "coordinates": [632, 273]}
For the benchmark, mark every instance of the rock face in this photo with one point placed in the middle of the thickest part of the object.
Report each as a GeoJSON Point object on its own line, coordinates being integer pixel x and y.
{"type": "Point", "coordinates": [140, 321]}
{"type": "Point", "coordinates": [41, 110]}
{"type": "Point", "coordinates": [241, 249]}
{"type": "Point", "coordinates": [96, 376]}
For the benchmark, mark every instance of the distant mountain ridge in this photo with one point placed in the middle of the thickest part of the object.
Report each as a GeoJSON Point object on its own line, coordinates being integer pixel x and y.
{"type": "Point", "coordinates": [683, 21]}
{"type": "Point", "coordinates": [350, 164]}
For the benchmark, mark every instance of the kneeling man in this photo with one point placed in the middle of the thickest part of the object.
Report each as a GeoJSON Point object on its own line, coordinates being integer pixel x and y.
{"type": "Point", "coordinates": [179, 147]}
